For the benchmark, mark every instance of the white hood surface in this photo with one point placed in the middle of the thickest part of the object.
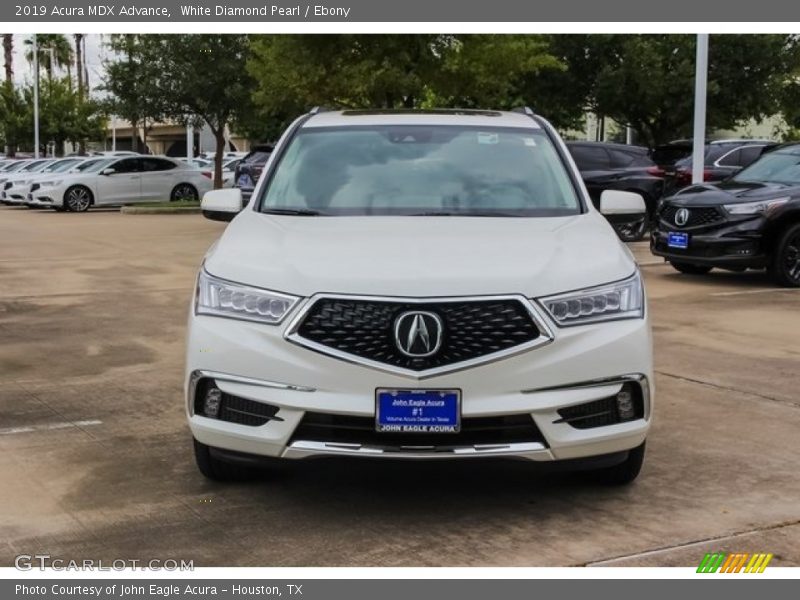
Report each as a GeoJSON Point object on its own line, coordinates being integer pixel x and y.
{"type": "Point", "coordinates": [419, 256]}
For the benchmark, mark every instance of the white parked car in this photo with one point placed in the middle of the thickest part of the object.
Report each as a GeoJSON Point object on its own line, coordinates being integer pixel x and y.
{"type": "Point", "coordinates": [27, 170]}
{"type": "Point", "coordinates": [228, 171]}
{"type": "Point", "coordinates": [114, 153]}
{"type": "Point", "coordinates": [121, 181]}
{"type": "Point", "coordinates": [422, 285]}
{"type": "Point", "coordinates": [15, 189]}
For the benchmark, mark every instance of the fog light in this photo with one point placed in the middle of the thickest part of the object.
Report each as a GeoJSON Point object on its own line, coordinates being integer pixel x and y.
{"type": "Point", "coordinates": [211, 402]}
{"type": "Point", "coordinates": [625, 406]}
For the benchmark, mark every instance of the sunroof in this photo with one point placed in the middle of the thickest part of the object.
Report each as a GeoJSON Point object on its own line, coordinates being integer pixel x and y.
{"type": "Point", "coordinates": [423, 111]}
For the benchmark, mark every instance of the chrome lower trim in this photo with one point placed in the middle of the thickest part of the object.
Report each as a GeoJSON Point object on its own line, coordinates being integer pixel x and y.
{"type": "Point", "coordinates": [199, 374]}
{"type": "Point", "coordinates": [640, 378]}
{"type": "Point", "coordinates": [545, 333]}
{"type": "Point", "coordinates": [307, 449]}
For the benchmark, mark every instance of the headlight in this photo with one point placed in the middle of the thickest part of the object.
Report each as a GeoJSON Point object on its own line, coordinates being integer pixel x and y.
{"type": "Point", "coordinates": [620, 300]}
{"type": "Point", "coordinates": [50, 183]}
{"type": "Point", "coordinates": [755, 208]}
{"type": "Point", "coordinates": [228, 299]}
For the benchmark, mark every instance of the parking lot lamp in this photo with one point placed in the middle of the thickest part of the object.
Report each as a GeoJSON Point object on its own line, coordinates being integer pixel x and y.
{"type": "Point", "coordinates": [700, 80]}
{"type": "Point", "coordinates": [35, 98]}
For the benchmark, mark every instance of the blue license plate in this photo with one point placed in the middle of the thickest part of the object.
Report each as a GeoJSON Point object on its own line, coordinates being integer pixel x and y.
{"type": "Point", "coordinates": [676, 239]}
{"type": "Point", "coordinates": [418, 411]}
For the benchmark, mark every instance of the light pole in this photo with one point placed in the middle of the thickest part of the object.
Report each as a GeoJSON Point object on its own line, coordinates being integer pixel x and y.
{"type": "Point", "coordinates": [35, 98]}
{"type": "Point", "coordinates": [189, 142]}
{"type": "Point", "coordinates": [700, 86]}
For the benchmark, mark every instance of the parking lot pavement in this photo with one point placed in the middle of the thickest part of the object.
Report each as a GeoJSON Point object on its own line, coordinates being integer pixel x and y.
{"type": "Point", "coordinates": [95, 455]}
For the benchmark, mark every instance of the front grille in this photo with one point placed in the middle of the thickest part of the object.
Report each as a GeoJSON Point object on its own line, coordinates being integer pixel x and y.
{"type": "Point", "coordinates": [343, 429]}
{"type": "Point", "coordinates": [698, 215]}
{"type": "Point", "coordinates": [471, 329]}
{"type": "Point", "coordinates": [7, 185]}
{"type": "Point", "coordinates": [35, 187]}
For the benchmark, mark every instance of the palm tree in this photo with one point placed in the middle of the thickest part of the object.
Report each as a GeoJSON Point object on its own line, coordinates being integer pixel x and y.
{"type": "Point", "coordinates": [79, 61]}
{"type": "Point", "coordinates": [54, 52]}
{"type": "Point", "coordinates": [8, 55]}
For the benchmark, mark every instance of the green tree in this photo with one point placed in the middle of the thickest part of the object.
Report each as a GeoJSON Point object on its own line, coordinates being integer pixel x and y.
{"type": "Point", "coordinates": [130, 80]}
{"type": "Point", "coordinates": [54, 52]}
{"type": "Point", "coordinates": [64, 116]}
{"type": "Point", "coordinates": [201, 77]}
{"type": "Point", "coordinates": [16, 118]}
{"type": "Point", "coordinates": [647, 81]}
{"type": "Point", "coordinates": [295, 72]}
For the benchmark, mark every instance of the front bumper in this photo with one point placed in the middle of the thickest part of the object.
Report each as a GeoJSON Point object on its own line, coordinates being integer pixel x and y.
{"type": "Point", "coordinates": [15, 195]}
{"type": "Point", "coordinates": [581, 365]}
{"type": "Point", "coordinates": [728, 244]}
{"type": "Point", "coordinates": [49, 196]}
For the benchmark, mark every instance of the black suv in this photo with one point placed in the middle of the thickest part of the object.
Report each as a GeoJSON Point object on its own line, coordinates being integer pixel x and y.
{"type": "Point", "coordinates": [749, 221]}
{"type": "Point", "coordinates": [248, 170]}
{"type": "Point", "coordinates": [606, 166]}
{"type": "Point", "coordinates": [722, 159]}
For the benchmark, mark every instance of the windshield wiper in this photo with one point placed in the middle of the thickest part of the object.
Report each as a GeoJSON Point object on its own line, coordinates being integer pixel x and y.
{"type": "Point", "coordinates": [464, 213]}
{"type": "Point", "coordinates": [299, 212]}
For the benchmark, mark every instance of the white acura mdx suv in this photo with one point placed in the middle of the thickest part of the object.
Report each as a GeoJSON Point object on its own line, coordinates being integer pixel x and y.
{"type": "Point", "coordinates": [419, 285]}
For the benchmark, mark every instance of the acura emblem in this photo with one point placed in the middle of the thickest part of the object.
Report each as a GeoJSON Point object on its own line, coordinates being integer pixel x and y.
{"type": "Point", "coordinates": [682, 217]}
{"type": "Point", "coordinates": [418, 333]}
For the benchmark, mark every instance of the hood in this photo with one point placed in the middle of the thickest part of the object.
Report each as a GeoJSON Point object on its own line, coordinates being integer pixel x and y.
{"type": "Point", "coordinates": [731, 192]}
{"type": "Point", "coordinates": [419, 256]}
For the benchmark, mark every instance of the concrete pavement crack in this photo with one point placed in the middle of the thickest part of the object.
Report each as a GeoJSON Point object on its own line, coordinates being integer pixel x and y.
{"type": "Point", "coordinates": [730, 389]}
{"type": "Point", "coordinates": [728, 536]}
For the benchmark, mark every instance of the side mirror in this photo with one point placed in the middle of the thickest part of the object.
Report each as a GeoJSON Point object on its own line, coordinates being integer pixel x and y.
{"type": "Point", "coordinates": [617, 202]}
{"type": "Point", "coordinates": [222, 205]}
{"type": "Point", "coordinates": [108, 171]}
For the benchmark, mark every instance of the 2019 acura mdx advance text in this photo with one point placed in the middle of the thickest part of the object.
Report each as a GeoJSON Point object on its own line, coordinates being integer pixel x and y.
{"type": "Point", "coordinates": [419, 285]}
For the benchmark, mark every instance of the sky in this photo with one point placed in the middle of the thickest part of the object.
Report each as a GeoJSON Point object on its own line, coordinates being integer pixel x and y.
{"type": "Point", "coordinates": [95, 54]}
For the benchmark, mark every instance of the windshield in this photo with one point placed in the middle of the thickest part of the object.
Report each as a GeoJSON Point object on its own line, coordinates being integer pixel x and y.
{"type": "Point", "coordinates": [775, 167]}
{"type": "Point", "coordinates": [421, 170]}
{"type": "Point", "coordinates": [14, 166]}
{"type": "Point", "coordinates": [94, 165]}
{"type": "Point", "coordinates": [36, 165]}
{"type": "Point", "coordinates": [61, 165]}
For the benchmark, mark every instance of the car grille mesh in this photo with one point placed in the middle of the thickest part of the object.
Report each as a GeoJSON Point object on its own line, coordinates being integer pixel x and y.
{"type": "Point", "coordinates": [365, 328]}
{"type": "Point", "coordinates": [698, 216]}
{"type": "Point", "coordinates": [344, 429]}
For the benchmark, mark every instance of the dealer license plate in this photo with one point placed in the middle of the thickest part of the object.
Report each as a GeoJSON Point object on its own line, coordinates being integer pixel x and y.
{"type": "Point", "coordinates": [418, 411]}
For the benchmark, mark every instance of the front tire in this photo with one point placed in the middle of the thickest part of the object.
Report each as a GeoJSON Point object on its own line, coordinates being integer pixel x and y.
{"type": "Point", "coordinates": [785, 263]}
{"type": "Point", "coordinates": [690, 269]}
{"type": "Point", "coordinates": [631, 232]}
{"type": "Point", "coordinates": [218, 470]}
{"type": "Point", "coordinates": [78, 198]}
{"type": "Point", "coordinates": [625, 472]}
{"type": "Point", "coordinates": [184, 192]}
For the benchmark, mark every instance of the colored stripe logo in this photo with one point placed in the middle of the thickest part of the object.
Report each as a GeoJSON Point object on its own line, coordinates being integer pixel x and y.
{"type": "Point", "coordinates": [737, 562]}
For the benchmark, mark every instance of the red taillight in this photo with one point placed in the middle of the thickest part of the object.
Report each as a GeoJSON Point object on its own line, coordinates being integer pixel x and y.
{"type": "Point", "coordinates": [655, 171]}
{"type": "Point", "coordinates": [685, 175]}
{"type": "Point", "coordinates": [208, 174]}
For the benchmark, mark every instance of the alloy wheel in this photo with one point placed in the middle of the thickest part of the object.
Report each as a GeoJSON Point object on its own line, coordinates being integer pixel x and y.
{"type": "Point", "coordinates": [78, 199]}
{"type": "Point", "coordinates": [184, 192]}
{"type": "Point", "coordinates": [791, 257]}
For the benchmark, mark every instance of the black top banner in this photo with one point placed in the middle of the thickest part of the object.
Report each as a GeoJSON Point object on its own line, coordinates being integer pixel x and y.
{"type": "Point", "coordinates": [402, 11]}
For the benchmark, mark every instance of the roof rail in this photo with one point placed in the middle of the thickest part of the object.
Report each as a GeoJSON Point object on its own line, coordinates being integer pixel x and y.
{"type": "Point", "coordinates": [319, 109]}
{"type": "Point", "coordinates": [525, 110]}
